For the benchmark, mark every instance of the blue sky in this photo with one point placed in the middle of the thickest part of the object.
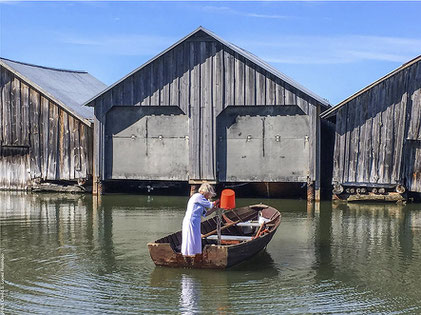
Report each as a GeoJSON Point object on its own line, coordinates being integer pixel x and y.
{"type": "Point", "coordinates": [332, 48]}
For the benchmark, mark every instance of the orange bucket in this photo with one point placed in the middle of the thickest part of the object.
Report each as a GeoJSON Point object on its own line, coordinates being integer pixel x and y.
{"type": "Point", "coordinates": [227, 199]}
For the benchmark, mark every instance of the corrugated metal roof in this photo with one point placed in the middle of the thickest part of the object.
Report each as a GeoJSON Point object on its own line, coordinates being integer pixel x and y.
{"type": "Point", "coordinates": [69, 88]}
{"type": "Point", "coordinates": [331, 112]}
{"type": "Point", "coordinates": [235, 48]}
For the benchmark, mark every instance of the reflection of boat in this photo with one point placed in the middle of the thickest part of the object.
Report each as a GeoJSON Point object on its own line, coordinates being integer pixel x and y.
{"type": "Point", "coordinates": [245, 232]}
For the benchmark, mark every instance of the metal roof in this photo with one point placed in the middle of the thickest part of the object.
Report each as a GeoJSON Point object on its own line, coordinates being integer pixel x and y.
{"type": "Point", "coordinates": [332, 111]}
{"type": "Point", "coordinates": [68, 88]}
{"type": "Point", "coordinates": [235, 48]}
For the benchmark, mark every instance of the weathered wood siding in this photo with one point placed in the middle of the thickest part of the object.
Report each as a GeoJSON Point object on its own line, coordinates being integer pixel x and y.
{"type": "Point", "coordinates": [378, 133]}
{"type": "Point", "coordinates": [38, 139]}
{"type": "Point", "coordinates": [202, 77]}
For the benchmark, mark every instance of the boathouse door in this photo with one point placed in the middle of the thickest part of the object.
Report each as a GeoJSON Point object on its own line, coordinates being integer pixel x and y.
{"type": "Point", "coordinates": [146, 143]}
{"type": "Point", "coordinates": [263, 144]}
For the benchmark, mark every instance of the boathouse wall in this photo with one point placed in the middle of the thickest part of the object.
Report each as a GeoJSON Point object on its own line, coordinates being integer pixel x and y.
{"type": "Point", "coordinates": [39, 139]}
{"type": "Point", "coordinates": [204, 111]}
{"type": "Point", "coordinates": [378, 133]}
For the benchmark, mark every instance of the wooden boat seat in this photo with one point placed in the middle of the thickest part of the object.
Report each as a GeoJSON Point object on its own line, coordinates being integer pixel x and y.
{"type": "Point", "coordinates": [230, 238]}
{"type": "Point", "coordinates": [251, 224]}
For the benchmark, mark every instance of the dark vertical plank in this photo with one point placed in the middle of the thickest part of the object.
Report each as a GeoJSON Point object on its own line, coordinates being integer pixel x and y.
{"type": "Point", "coordinates": [354, 141]}
{"type": "Point", "coordinates": [128, 98]}
{"type": "Point", "coordinates": [25, 114]}
{"type": "Point", "coordinates": [166, 78]}
{"type": "Point", "coordinates": [183, 64]}
{"type": "Point", "coordinates": [173, 77]}
{"type": "Point", "coordinates": [163, 92]}
{"type": "Point", "coordinates": [362, 141]}
{"type": "Point", "coordinates": [290, 96]}
{"type": "Point", "coordinates": [83, 131]}
{"type": "Point", "coordinates": [64, 146]}
{"type": "Point", "coordinates": [71, 147]}
{"type": "Point", "coordinates": [7, 104]}
{"type": "Point", "coordinates": [280, 93]}
{"type": "Point", "coordinates": [239, 81]}
{"type": "Point", "coordinates": [195, 117]}
{"type": "Point", "coordinates": [89, 150]}
{"type": "Point", "coordinates": [400, 123]}
{"type": "Point", "coordinates": [145, 92]}
{"type": "Point", "coordinates": [77, 151]}
{"type": "Point", "coordinates": [337, 148]}
{"type": "Point", "coordinates": [117, 95]}
{"type": "Point", "coordinates": [260, 87]}
{"type": "Point", "coordinates": [313, 143]}
{"type": "Point", "coordinates": [270, 90]}
{"type": "Point", "coordinates": [250, 84]}
{"type": "Point", "coordinates": [15, 112]}
{"type": "Point", "coordinates": [390, 140]}
{"type": "Point", "coordinates": [229, 88]}
{"type": "Point", "coordinates": [207, 123]}
{"type": "Point", "coordinates": [45, 117]}
{"type": "Point", "coordinates": [154, 98]}
{"type": "Point", "coordinates": [53, 132]}
{"type": "Point", "coordinates": [137, 88]}
{"type": "Point", "coordinates": [218, 78]}
{"type": "Point", "coordinates": [35, 133]}
{"type": "Point", "coordinates": [374, 174]}
{"type": "Point", "coordinates": [382, 149]}
{"type": "Point", "coordinates": [343, 112]}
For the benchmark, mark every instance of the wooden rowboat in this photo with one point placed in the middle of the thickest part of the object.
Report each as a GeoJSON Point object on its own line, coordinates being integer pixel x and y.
{"type": "Point", "coordinates": [245, 231]}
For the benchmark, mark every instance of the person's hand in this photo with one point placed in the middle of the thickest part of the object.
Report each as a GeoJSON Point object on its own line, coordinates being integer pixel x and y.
{"type": "Point", "coordinates": [216, 204]}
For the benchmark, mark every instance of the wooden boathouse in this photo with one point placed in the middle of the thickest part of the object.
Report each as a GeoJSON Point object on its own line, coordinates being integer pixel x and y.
{"type": "Point", "coordinates": [377, 151]}
{"type": "Point", "coordinates": [45, 133]}
{"type": "Point", "coordinates": [207, 110]}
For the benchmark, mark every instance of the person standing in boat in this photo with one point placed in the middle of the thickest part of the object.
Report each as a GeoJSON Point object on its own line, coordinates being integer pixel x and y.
{"type": "Point", "coordinates": [196, 208]}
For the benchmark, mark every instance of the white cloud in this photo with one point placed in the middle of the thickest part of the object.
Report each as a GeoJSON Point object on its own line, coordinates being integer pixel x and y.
{"type": "Point", "coordinates": [119, 44]}
{"type": "Point", "coordinates": [333, 49]}
{"type": "Point", "coordinates": [227, 10]}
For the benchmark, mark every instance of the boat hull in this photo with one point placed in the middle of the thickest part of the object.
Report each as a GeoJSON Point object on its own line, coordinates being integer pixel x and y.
{"type": "Point", "coordinates": [213, 256]}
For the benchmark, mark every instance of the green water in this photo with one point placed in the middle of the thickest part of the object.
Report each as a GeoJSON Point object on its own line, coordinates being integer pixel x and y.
{"type": "Point", "coordinates": [62, 255]}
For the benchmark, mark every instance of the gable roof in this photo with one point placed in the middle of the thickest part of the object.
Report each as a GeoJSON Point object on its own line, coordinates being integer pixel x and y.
{"type": "Point", "coordinates": [251, 57]}
{"type": "Point", "coordinates": [332, 111]}
{"type": "Point", "coordinates": [68, 88]}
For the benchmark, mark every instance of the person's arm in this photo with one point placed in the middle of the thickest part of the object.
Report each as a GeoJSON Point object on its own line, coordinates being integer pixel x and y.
{"type": "Point", "coordinates": [215, 206]}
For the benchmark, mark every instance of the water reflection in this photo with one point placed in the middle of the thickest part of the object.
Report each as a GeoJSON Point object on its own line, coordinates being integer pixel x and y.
{"type": "Point", "coordinates": [189, 298]}
{"type": "Point", "coordinates": [64, 255]}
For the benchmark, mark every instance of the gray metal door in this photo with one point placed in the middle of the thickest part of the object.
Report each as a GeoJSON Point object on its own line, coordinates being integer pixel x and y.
{"type": "Point", "coordinates": [147, 143]}
{"type": "Point", "coordinates": [273, 147]}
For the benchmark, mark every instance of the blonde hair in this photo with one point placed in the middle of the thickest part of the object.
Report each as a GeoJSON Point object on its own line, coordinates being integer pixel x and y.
{"type": "Point", "coordinates": [207, 188]}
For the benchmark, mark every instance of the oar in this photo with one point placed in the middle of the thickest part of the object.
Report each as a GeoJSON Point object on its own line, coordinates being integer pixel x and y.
{"type": "Point", "coordinates": [222, 228]}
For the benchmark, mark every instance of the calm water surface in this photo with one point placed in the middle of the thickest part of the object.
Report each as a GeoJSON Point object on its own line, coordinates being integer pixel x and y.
{"type": "Point", "coordinates": [63, 255]}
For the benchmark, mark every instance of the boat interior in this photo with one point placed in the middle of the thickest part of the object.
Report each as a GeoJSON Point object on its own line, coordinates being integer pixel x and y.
{"type": "Point", "coordinates": [237, 226]}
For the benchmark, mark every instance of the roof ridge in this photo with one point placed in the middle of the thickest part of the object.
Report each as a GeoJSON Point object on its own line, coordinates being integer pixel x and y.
{"type": "Point", "coordinates": [43, 67]}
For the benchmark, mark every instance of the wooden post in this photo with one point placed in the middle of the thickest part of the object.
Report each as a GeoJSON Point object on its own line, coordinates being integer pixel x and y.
{"type": "Point", "coordinates": [317, 194]}
{"type": "Point", "coordinates": [218, 224]}
{"type": "Point", "coordinates": [310, 191]}
{"type": "Point", "coordinates": [193, 189]}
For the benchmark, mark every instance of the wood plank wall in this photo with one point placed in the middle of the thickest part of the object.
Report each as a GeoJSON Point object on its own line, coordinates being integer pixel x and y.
{"type": "Point", "coordinates": [374, 131]}
{"type": "Point", "coordinates": [38, 139]}
{"type": "Point", "coordinates": [203, 77]}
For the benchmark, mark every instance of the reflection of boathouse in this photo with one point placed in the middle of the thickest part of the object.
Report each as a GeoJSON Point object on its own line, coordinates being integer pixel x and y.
{"type": "Point", "coordinates": [378, 137]}
{"type": "Point", "coordinates": [205, 109]}
{"type": "Point", "coordinates": [45, 133]}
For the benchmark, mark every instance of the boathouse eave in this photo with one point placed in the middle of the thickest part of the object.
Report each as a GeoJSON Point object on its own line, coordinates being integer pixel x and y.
{"type": "Point", "coordinates": [251, 57]}
{"type": "Point", "coordinates": [333, 110]}
{"type": "Point", "coordinates": [88, 121]}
